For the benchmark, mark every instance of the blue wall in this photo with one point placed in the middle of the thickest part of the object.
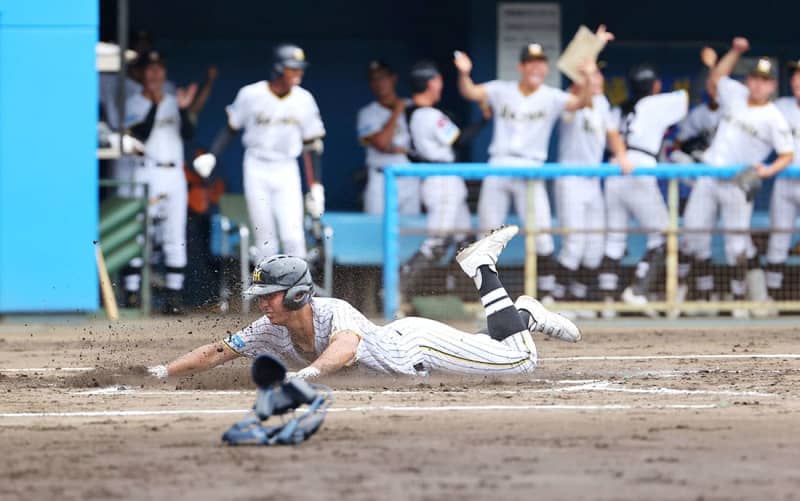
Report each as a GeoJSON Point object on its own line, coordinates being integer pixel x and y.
{"type": "Point", "coordinates": [48, 168]}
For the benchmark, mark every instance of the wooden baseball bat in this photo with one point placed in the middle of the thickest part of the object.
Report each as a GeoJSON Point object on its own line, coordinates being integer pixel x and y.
{"type": "Point", "coordinates": [109, 301]}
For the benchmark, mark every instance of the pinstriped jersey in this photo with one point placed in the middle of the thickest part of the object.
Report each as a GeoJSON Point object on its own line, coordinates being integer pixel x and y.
{"type": "Point", "coordinates": [329, 316]}
{"type": "Point", "coordinates": [407, 346]}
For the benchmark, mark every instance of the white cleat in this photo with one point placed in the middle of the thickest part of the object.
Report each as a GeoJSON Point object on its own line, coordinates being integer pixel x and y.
{"type": "Point", "coordinates": [486, 250]}
{"type": "Point", "coordinates": [545, 321]}
{"type": "Point", "coordinates": [632, 298]}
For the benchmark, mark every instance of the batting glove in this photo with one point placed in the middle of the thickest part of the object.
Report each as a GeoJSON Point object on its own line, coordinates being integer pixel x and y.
{"type": "Point", "coordinates": [315, 201]}
{"type": "Point", "coordinates": [307, 373]}
{"type": "Point", "coordinates": [204, 164]}
{"type": "Point", "coordinates": [159, 371]}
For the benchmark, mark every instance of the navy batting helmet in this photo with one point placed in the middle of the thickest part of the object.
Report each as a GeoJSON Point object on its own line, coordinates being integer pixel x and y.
{"type": "Point", "coordinates": [421, 73]}
{"type": "Point", "coordinates": [283, 273]}
{"type": "Point", "coordinates": [288, 56]}
{"type": "Point", "coordinates": [641, 79]}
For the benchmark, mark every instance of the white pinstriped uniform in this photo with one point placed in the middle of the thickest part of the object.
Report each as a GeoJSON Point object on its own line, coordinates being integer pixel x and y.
{"type": "Point", "coordinates": [411, 345]}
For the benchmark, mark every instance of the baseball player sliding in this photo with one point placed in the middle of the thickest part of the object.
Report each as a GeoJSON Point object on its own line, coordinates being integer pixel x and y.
{"type": "Point", "coordinates": [524, 114]}
{"type": "Point", "coordinates": [785, 201]}
{"type": "Point", "coordinates": [324, 335]}
{"type": "Point", "coordinates": [281, 121]}
{"type": "Point", "coordinates": [750, 129]}
{"type": "Point", "coordinates": [159, 120]}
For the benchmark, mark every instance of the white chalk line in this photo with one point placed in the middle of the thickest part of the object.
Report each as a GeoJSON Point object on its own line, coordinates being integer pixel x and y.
{"type": "Point", "coordinates": [671, 357]}
{"type": "Point", "coordinates": [722, 356]}
{"type": "Point", "coordinates": [584, 386]}
{"type": "Point", "coordinates": [364, 409]}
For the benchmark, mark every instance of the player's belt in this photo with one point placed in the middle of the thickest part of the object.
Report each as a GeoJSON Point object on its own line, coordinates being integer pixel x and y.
{"type": "Point", "coordinates": [642, 150]}
{"type": "Point", "coordinates": [166, 164]}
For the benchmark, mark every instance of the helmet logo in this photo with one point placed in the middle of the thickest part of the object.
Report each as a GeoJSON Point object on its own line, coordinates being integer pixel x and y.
{"type": "Point", "coordinates": [299, 55]}
{"type": "Point", "coordinates": [534, 49]}
{"type": "Point", "coordinates": [257, 275]}
{"type": "Point", "coordinates": [764, 65]}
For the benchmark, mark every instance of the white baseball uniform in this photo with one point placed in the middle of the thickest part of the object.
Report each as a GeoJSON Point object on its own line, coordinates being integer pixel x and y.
{"type": "Point", "coordinates": [411, 345]}
{"type": "Point", "coordinates": [122, 168]}
{"type": "Point", "coordinates": [445, 197]}
{"type": "Point", "coordinates": [274, 131]}
{"type": "Point", "coordinates": [785, 201]}
{"type": "Point", "coordinates": [746, 135]}
{"type": "Point", "coordinates": [579, 200]}
{"type": "Point", "coordinates": [161, 168]}
{"type": "Point", "coordinates": [639, 196]}
{"type": "Point", "coordinates": [521, 136]}
{"type": "Point", "coordinates": [371, 120]}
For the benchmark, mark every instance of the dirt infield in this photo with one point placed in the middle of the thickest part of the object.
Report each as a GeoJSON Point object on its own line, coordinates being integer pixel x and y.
{"type": "Point", "coordinates": [687, 411]}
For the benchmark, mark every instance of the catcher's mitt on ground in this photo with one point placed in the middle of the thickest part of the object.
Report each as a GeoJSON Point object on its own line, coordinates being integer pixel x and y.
{"type": "Point", "coordinates": [749, 181]}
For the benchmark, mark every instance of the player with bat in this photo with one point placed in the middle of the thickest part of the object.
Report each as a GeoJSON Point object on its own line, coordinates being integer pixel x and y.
{"type": "Point", "coordinates": [281, 122]}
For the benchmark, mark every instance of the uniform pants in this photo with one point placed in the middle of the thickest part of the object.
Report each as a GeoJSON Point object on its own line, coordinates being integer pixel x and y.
{"type": "Point", "coordinates": [580, 206]}
{"type": "Point", "coordinates": [445, 199]}
{"type": "Point", "coordinates": [413, 344]}
{"type": "Point", "coordinates": [408, 193]}
{"type": "Point", "coordinates": [710, 196]}
{"type": "Point", "coordinates": [638, 197]}
{"type": "Point", "coordinates": [275, 205]}
{"type": "Point", "coordinates": [783, 209]}
{"type": "Point", "coordinates": [168, 209]}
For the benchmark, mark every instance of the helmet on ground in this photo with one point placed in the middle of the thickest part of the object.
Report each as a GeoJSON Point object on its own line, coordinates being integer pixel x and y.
{"type": "Point", "coordinates": [287, 56]}
{"type": "Point", "coordinates": [283, 273]}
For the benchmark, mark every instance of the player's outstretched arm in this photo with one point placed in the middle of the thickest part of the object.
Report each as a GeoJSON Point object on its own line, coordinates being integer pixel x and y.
{"type": "Point", "coordinates": [340, 353]}
{"type": "Point", "coordinates": [469, 89]}
{"type": "Point", "coordinates": [725, 66]}
{"type": "Point", "coordinates": [198, 360]}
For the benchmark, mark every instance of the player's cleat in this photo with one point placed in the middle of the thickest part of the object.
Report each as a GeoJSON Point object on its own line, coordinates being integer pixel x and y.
{"type": "Point", "coordinates": [548, 322]}
{"type": "Point", "coordinates": [486, 250]}
{"type": "Point", "coordinates": [173, 303]}
{"type": "Point", "coordinates": [630, 297]}
{"type": "Point", "coordinates": [132, 300]}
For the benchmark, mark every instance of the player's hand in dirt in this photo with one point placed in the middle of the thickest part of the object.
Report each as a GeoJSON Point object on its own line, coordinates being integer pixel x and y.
{"type": "Point", "coordinates": [158, 371]}
{"type": "Point", "coordinates": [307, 373]}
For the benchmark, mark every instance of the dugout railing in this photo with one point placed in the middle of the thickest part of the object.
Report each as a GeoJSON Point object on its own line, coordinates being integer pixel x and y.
{"type": "Point", "coordinates": [673, 173]}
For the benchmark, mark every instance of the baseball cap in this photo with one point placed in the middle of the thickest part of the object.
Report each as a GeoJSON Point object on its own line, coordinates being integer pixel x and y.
{"type": "Point", "coordinates": [378, 66]}
{"type": "Point", "coordinates": [151, 57]}
{"type": "Point", "coordinates": [763, 68]}
{"type": "Point", "coordinates": [532, 52]}
{"type": "Point", "coordinates": [794, 66]}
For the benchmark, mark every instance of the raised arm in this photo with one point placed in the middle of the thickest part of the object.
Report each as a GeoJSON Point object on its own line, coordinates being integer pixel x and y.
{"type": "Point", "coordinates": [468, 89]}
{"type": "Point", "coordinates": [725, 66]}
{"type": "Point", "coordinates": [198, 360]}
{"type": "Point", "coordinates": [382, 140]}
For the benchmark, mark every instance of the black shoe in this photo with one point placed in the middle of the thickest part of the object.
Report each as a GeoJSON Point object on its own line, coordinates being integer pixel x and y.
{"type": "Point", "coordinates": [132, 300]}
{"type": "Point", "coordinates": [173, 303]}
